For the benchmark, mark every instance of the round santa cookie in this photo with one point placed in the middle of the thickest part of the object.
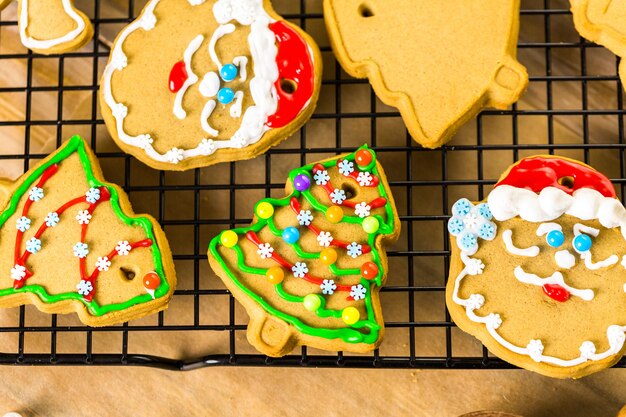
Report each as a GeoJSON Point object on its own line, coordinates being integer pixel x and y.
{"type": "Point", "coordinates": [538, 270]}
{"type": "Point", "coordinates": [191, 83]}
{"type": "Point", "coordinates": [51, 26]}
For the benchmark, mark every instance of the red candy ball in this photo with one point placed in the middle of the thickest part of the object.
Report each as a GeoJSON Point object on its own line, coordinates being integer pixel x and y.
{"type": "Point", "coordinates": [363, 157]}
{"type": "Point", "coordinates": [369, 270]}
{"type": "Point", "coordinates": [151, 281]}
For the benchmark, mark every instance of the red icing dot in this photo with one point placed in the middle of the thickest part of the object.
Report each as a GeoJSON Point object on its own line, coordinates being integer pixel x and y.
{"type": "Point", "coordinates": [363, 157]}
{"type": "Point", "coordinates": [178, 76]}
{"type": "Point", "coordinates": [151, 281]}
{"type": "Point", "coordinates": [556, 292]}
{"type": "Point", "coordinates": [369, 270]}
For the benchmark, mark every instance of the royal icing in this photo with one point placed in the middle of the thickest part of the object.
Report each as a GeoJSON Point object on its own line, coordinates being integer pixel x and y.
{"type": "Point", "coordinates": [357, 329]}
{"type": "Point", "coordinates": [33, 43]}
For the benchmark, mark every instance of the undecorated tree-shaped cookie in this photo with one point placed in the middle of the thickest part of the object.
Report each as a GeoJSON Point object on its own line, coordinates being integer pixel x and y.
{"type": "Point", "coordinates": [309, 268]}
{"type": "Point", "coordinates": [193, 83]}
{"type": "Point", "coordinates": [603, 22]}
{"type": "Point", "coordinates": [51, 26]}
{"type": "Point", "coordinates": [538, 270]}
{"type": "Point", "coordinates": [69, 242]}
{"type": "Point", "coordinates": [439, 62]}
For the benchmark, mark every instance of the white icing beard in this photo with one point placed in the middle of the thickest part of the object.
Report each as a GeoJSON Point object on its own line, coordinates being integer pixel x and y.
{"type": "Point", "coordinates": [506, 202]}
{"type": "Point", "coordinates": [263, 51]}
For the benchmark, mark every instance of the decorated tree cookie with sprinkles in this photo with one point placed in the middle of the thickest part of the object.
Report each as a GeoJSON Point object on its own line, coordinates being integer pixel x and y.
{"type": "Point", "coordinates": [309, 268]}
{"type": "Point", "coordinates": [538, 270]}
{"type": "Point", "coordinates": [193, 83]}
{"type": "Point", "coordinates": [69, 242]}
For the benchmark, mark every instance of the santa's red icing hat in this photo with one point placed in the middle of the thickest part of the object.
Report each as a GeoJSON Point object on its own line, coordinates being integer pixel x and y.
{"type": "Point", "coordinates": [544, 188]}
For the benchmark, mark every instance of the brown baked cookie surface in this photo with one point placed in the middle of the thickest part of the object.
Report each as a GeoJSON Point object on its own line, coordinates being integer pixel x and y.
{"type": "Point", "coordinates": [70, 242]}
{"type": "Point", "coordinates": [439, 63]}
{"type": "Point", "coordinates": [195, 83]}
{"type": "Point", "coordinates": [538, 270]}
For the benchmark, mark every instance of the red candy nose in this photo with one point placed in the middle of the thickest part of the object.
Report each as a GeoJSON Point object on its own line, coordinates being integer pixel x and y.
{"type": "Point", "coordinates": [556, 292]}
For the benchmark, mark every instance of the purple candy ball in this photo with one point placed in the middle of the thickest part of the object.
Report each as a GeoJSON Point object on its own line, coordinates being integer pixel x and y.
{"type": "Point", "coordinates": [302, 182]}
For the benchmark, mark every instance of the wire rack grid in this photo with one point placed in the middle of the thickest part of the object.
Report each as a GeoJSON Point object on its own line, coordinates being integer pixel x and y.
{"type": "Point", "coordinates": [418, 177]}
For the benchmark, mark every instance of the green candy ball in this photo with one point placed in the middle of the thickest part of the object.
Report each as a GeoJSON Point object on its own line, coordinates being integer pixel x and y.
{"type": "Point", "coordinates": [312, 302]}
{"type": "Point", "coordinates": [370, 224]}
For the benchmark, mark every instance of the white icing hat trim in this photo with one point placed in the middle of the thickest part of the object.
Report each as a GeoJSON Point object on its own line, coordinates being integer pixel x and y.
{"type": "Point", "coordinates": [506, 202]}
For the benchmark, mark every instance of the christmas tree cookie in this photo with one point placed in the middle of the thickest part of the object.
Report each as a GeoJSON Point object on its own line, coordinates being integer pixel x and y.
{"type": "Point", "coordinates": [439, 62]}
{"type": "Point", "coordinates": [309, 268]}
{"type": "Point", "coordinates": [192, 83]}
{"type": "Point", "coordinates": [603, 22]}
{"type": "Point", "coordinates": [538, 270]}
{"type": "Point", "coordinates": [69, 242]}
{"type": "Point", "coordinates": [51, 26]}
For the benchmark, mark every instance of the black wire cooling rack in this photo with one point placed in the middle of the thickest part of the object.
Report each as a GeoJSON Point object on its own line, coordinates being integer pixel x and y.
{"type": "Point", "coordinates": [538, 50]}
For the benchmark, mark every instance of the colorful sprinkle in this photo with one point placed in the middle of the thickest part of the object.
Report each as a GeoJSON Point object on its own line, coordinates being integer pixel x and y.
{"type": "Point", "coordinates": [229, 238]}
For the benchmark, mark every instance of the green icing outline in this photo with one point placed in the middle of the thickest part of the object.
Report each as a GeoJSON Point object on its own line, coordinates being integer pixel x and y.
{"type": "Point", "coordinates": [77, 144]}
{"type": "Point", "coordinates": [349, 334]}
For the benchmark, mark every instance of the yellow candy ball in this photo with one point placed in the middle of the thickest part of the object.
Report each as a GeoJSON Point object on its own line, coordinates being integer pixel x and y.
{"type": "Point", "coordinates": [264, 210]}
{"type": "Point", "coordinates": [229, 238]}
{"type": "Point", "coordinates": [350, 315]}
{"type": "Point", "coordinates": [334, 214]}
{"type": "Point", "coordinates": [328, 256]}
{"type": "Point", "coordinates": [275, 275]}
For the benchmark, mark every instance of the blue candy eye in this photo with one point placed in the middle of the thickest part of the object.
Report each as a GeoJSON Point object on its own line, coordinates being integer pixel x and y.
{"type": "Point", "coordinates": [582, 243]}
{"type": "Point", "coordinates": [225, 95]}
{"type": "Point", "coordinates": [555, 238]}
{"type": "Point", "coordinates": [228, 72]}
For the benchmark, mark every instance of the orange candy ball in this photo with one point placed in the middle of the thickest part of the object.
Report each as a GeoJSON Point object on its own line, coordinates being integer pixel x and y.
{"type": "Point", "coordinates": [369, 270]}
{"type": "Point", "coordinates": [334, 214]}
{"type": "Point", "coordinates": [151, 281]}
{"type": "Point", "coordinates": [328, 256]}
{"type": "Point", "coordinates": [363, 157]}
{"type": "Point", "coordinates": [275, 275]}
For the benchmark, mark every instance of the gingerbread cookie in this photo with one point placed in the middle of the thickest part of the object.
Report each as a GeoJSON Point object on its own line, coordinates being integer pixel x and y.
{"type": "Point", "coordinates": [193, 83]}
{"type": "Point", "coordinates": [309, 268]}
{"type": "Point", "coordinates": [69, 242]}
{"type": "Point", "coordinates": [51, 26]}
{"type": "Point", "coordinates": [439, 63]}
{"type": "Point", "coordinates": [603, 22]}
{"type": "Point", "coordinates": [538, 270]}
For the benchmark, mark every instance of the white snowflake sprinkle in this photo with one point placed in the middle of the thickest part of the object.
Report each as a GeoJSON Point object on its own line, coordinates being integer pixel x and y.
{"type": "Point", "coordinates": [535, 349]}
{"type": "Point", "coordinates": [362, 209]}
{"type": "Point", "coordinates": [354, 249]}
{"type": "Point", "coordinates": [23, 224]}
{"type": "Point", "coordinates": [52, 219]}
{"type": "Point", "coordinates": [144, 141]}
{"type": "Point", "coordinates": [35, 194]}
{"type": "Point", "coordinates": [123, 248]}
{"type": "Point", "coordinates": [587, 349]}
{"type": "Point", "coordinates": [364, 179]}
{"type": "Point", "coordinates": [92, 195]}
{"type": "Point", "coordinates": [494, 320]}
{"type": "Point", "coordinates": [358, 292]}
{"type": "Point", "coordinates": [345, 167]}
{"type": "Point", "coordinates": [120, 111]}
{"type": "Point", "coordinates": [81, 250]}
{"type": "Point", "coordinates": [18, 272]}
{"type": "Point", "coordinates": [338, 196]}
{"type": "Point", "coordinates": [475, 301]}
{"type": "Point", "coordinates": [119, 62]}
{"type": "Point", "coordinates": [324, 239]}
{"type": "Point", "coordinates": [474, 266]}
{"type": "Point", "coordinates": [148, 21]}
{"type": "Point", "coordinates": [321, 177]}
{"type": "Point", "coordinates": [328, 286]}
{"type": "Point", "coordinates": [33, 245]}
{"type": "Point", "coordinates": [207, 147]}
{"type": "Point", "coordinates": [304, 217]}
{"type": "Point", "coordinates": [299, 269]}
{"type": "Point", "coordinates": [265, 250]}
{"type": "Point", "coordinates": [83, 217]}
{"type": "Point", "coordinates": [84, 287]}
{"type": "Point", "coordinates": [239, 140]}
{"type": "Point", "coordinates": [174, 155]}
{"type": "Point", "coordinates": [103, 263]}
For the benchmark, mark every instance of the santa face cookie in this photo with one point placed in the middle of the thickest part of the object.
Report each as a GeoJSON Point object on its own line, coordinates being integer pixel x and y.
{"type": "Point", "coordinates": [438, 62]}
{"type": "Point", "coordinates": [69, 242]}
{"type": "Point", "coordinates": [309, 268]}
{"type": "Point", "coordinates": [538, 271]}
{"type": "Point", "coordinates": [602, 21]}
{"type": "Point", "coordinates": [51, 26]}
{"type": "Point", "coordinates": [194, 83]}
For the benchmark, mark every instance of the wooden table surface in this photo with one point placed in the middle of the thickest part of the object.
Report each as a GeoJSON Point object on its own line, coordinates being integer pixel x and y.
{"type": "Point", "coordinates": [68, 391]}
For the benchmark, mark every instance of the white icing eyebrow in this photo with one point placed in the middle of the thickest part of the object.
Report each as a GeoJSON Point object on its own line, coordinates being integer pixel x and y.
{"type": "Point", "coordinates": [545, 228]}
{"type": "Point", "coordinates": [508, 242]}
{"type": "Point", "coordinates": [581, 228]}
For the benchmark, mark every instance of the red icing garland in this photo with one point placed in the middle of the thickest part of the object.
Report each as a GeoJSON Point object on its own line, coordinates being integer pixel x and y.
{"type": "Point", "coordinates": [536, 173]}
{"type": "Point", "coordinates": [355, 175]}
